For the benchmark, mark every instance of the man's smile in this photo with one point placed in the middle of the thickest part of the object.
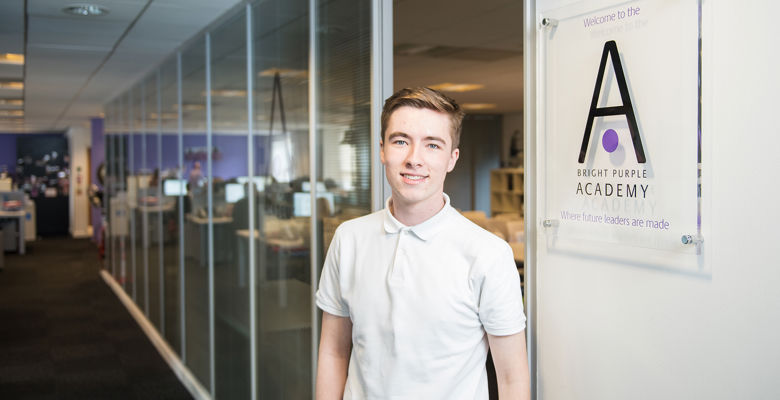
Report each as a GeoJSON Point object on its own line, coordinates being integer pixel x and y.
{"type": "Point", "coordinates": [413, 178]}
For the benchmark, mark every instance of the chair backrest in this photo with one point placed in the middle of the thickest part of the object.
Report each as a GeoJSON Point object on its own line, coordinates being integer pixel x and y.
{"type": "Point", "coordinates": [497, 227]}
{"type": "Point", "coordinates": [515, 230]}
{"type": "Point", "coordinates": [508, 216]}
{"type": "Point", "coordinates": [478, 217]}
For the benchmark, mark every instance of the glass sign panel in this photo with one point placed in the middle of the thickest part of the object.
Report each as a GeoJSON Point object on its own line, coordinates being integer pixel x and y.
{"type": "Point", "coordinates": [620, 96]}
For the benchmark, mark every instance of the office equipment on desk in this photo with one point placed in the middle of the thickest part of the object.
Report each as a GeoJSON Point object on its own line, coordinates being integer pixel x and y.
{"type": "Point", "coordinates": [234, 192]}
{"type": "Point", "coordinates": [306, 187]}
{"type": "Point", "coordinates": [13, 235]}
{"type": "Point", "coordinates": [174, 187]}
{"type": "Point", "coordinates": [293, 243]}
{"type": "Point", "coordinates": [6, 184]}
{"type": "Point", "coordinates": [259, 182]}
{"type": "Point", "coordinates": [12, 221]}
{"type": "Point", "coordinates": [302, 202]}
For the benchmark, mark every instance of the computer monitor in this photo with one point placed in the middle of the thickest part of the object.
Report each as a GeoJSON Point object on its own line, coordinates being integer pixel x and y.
{"type": "Point", "coordinates": [302, 202]}
{"type": "Point", "coordinates": [306, 186]}
{"type": "Point", "coordinates": [258, 180]}
{"type": "Point", "coordinates": [234, 192]}
{"type": "Point", "coordinates": [174, 187]}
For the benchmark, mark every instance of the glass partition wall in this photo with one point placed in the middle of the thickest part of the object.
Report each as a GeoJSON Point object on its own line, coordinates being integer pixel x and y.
{"type": "Point", "coordinates": [224, 197]}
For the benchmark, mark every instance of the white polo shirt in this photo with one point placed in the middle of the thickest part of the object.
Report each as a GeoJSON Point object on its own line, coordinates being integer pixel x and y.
{"type": "Point", "coordinates": [420, 299]}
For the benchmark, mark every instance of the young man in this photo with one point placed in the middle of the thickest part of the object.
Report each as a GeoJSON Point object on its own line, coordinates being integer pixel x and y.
{"type": "Point", "coordinates": [413, 295]}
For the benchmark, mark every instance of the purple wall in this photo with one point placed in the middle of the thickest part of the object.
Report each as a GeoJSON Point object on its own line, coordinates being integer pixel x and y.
{"type": "Point", "coordinates": [232, 149]}
{"type": "Point", "coordinates": [98, 156]}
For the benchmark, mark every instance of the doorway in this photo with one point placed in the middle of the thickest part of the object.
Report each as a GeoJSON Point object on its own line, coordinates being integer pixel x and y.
{"type": "Point", "coordinates": [473, 53]}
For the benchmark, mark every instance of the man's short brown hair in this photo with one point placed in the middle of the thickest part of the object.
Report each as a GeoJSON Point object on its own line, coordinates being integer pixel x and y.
{"type": "Point", "coordinates": [423, 97]}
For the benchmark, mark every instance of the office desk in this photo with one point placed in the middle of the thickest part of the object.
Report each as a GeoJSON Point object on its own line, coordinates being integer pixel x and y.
{"type": "Point", "coordinates": [150, 218]}
{"type": "Point", "coordinates": [279, 245]}
{"type": "Point", "coordinates": [19, 216]}
{"type": "Point", "coordinates": [518, 251]}
{"type": "Point", "coordinates": [196, 237]}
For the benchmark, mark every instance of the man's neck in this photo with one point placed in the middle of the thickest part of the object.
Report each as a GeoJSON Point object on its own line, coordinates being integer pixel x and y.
{"type": "Point", "coordinates": [415, 214]}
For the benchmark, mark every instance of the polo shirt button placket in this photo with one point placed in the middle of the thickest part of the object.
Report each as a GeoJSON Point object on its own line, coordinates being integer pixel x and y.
{"type": "Point", "coordinates": [398, 264]}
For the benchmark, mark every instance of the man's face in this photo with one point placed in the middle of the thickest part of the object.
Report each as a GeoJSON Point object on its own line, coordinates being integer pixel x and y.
{"type": "Point", "coordinates": [417, 154]}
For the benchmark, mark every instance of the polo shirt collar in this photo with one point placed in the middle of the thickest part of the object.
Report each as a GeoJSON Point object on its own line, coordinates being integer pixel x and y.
{"type": "Point", "coordinates": [424, 230]}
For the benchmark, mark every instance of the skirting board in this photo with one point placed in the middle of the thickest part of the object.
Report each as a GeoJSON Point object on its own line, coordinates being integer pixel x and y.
{"type": "Point", "coordinates": [182, 372]}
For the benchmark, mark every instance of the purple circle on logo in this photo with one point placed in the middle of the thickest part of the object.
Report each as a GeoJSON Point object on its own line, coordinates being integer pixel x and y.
{"type": "Point", "coordinates": [609, 140]}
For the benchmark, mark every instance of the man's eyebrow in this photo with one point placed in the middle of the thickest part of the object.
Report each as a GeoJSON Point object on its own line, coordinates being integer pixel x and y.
{"type": "Point", "coordinates": [397, 134]}
{"type": "Point", "coordinates": [435, 139]}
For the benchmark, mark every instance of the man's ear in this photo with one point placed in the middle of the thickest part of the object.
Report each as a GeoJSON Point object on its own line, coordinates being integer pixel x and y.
{"type": "Point", "coordinates": [382, 151]}
{"type": "Point", "coordinates": [453, 159]}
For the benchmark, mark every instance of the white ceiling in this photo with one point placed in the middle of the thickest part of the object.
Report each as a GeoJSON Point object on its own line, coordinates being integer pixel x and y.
{"type": "Point", "coordinates": [484, 42]}
{"type": "Point", "coordinates": [74, 65]}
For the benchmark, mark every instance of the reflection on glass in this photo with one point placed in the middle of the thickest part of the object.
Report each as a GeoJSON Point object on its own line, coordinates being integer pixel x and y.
{"type": "Point", "coordinates": [171, 190]}
{"type": "Point", "coordinates": [196, 249]}
{"type": "Point", "coordinates": [135, 189]}
{"type": "Point", "coordinates": [230, 141]}
{"type": "Point", "coordinates": [281, 148]}
{"type": "Point", "coordinates": [110, 190]}
{"type": "Point", "coordinates": [129, 180]}
{"type": "Point", "coordinates": [162, 181]}
{"type": "Point", "coordinates": [120, 222]}
{"type": "Point", "coordinates": [149, 202]}
{"type": "Point", "coordinates": [344, 115]}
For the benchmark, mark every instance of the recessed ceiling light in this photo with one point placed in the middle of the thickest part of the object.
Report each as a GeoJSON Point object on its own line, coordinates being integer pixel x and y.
{"type": "Point", "coordinates": [190, 107]}
{"type": "Point", "coordinates": [456, 87]}
{"type": "Point", "coordinates": [12, 85]}
{"type": "Point", "coordinates": [11, 113]}
{"type": "Point", "coordinates": [12, 59]}
{"type": "Point", "coordinates": [85, 10]}
{"type": "Point", "coordinates": [477, 106]}
{"type": "Point", "coordinates": [164, 116]}
{"type": "Point", "coordinates": [286, 72]}
{"type": "Point", "coordinates": [226, 93]}
{"type": "Point", "coordinates": [11, 102]}
{"type": "Point", "coordinates": [411, 49]}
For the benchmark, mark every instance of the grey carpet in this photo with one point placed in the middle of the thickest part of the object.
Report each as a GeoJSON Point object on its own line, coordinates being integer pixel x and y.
{"type": "Point", "coordinates": [65, 335]}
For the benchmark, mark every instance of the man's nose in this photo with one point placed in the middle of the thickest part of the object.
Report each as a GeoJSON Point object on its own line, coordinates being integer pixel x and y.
{"type": "Point", "coordinates": [413, 156]}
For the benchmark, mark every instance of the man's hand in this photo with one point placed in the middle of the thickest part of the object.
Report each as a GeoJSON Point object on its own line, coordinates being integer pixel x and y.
{"type": "Point", "coordinates": [511, 361]}
{"type": "Point", "coordinates": [335, 347]}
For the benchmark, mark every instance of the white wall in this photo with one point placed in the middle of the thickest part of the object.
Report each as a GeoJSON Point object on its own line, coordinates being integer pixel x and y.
{"type": "Point", "coordinates": [79, 139]}
{"type": "Point", "coordinates": [612, 330]}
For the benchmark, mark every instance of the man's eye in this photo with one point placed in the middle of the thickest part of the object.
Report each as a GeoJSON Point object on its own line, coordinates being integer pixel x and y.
{"type": "Point", "coordinates": [433, 146]}
{"type": "Point", "coordinates": [399, 142]}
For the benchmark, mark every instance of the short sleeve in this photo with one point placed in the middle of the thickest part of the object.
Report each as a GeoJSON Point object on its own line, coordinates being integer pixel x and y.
{"type": "Point", "coordinates": [500, 296]}
{"type": "Point", "coordinates": [328, 297]}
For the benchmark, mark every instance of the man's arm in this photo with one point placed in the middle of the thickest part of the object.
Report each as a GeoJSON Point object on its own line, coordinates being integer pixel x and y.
{"type": "Point", "coordinates": [511, 361]}
{"type": "Point", "coordinates": [335, 347]}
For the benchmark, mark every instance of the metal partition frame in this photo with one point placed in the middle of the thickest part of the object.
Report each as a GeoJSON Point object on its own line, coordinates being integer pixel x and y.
{"type": "Point", "coordinates": [529, 120]}
{"type": "Point", "coordinates": [381, 89]}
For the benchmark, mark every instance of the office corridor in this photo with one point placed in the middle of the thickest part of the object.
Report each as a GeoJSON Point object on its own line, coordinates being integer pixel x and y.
{"type": "Point", "coordinates": [65, 335]}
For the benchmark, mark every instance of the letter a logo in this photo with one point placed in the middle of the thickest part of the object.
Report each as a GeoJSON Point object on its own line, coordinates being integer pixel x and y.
{"type": "Point", "coordinates": [627, 109]}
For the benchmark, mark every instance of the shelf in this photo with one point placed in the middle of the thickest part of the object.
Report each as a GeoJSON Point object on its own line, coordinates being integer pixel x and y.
{"type": "Point", "coordinates": [506, 191]}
